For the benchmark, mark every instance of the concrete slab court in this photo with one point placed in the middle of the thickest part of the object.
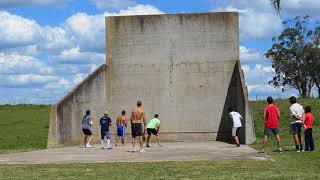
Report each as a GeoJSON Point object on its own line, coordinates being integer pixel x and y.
{"type": "Point", "coordinates": [174, 151]}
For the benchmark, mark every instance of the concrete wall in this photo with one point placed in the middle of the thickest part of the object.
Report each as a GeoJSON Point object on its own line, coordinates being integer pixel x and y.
{"type": "Point", "coordinates": [66, 115]}
{"type": "Point", "coordinates": [184, 67]}
{"type": "Point", "coordinates": [180, 66]}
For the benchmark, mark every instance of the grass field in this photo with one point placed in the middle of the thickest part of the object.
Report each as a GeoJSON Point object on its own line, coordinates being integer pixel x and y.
{"type": "Point", "coordinates": [287, 165]}
{"type": "Point", "coordinates": [23, 127]}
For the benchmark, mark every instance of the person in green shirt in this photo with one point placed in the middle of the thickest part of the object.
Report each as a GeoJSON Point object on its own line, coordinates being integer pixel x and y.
{"type": "Point", "coordinates": [153, 128]}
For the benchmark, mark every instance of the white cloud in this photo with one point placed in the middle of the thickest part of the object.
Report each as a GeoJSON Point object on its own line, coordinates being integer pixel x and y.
{"type": "Point", "coordinates": [257, 18]}
{"type": "Point", "coordinates": [28, 3]}
{"type": "Point", "coordinates": [20, 64]}
{"type": "Point", "coordinates": [139, 9]}
{"type": "Point", "coordinates": [251, 56]}
{"type": "Point", "coordinates": [16, 31]}
{"type": "Point", "coordinates": [113, 4]}
{"type": "Point", "coordinates": [45, 62]}
{"type": "Point", "coordinates": [74, 56]}
{"type": "Point", "coordinates": [301, 8]}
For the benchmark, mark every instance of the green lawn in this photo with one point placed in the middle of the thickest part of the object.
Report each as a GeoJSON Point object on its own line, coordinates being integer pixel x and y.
{"type": "Point", "coordinates": [23, 127]}
{"type": "Point", "coordinates": [287, 165]}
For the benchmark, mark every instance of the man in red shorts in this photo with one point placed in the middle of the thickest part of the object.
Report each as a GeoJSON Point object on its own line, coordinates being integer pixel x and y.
{"type": "Point", "coordinates": [271, 124]}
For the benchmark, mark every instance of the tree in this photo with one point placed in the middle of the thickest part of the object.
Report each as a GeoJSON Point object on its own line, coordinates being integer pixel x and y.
{"type": "Point", "coordinates": [290, 54]}
{"type": "Point", "coordinates": [314, 58]}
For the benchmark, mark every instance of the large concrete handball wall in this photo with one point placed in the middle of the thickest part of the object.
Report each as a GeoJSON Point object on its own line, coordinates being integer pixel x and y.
{"type": "Point", "coordinates": [184, 67]}
{"type": "Point", "coordinates": [66, 115]}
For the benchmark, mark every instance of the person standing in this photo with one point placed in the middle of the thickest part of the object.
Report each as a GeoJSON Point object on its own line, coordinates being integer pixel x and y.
{"type": "Point", "coordinates": [296, 114]}
{"type": "Point", "coordinates": [236, 118]}
{"type": "Point", "coordinates": [121, 126]}
{"type": "Point", "coordinates": [153, 128]}
{"type": "Point", "coordinates": [137, 116]}
{"type": "Point", "coordinates": [271, 124]}
{"type": "Point", "coordinates": [308, 122]}
{"type": "Point", "coordinates": [105, 122]}
{"type": "Point", "coordinates": [86, 129]}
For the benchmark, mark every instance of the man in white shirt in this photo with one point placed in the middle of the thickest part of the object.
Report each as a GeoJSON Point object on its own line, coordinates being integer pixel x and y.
{"type": "Point", "coordinates": [296, 116]}
{"type": "Point", "coordinates": [236, 118]}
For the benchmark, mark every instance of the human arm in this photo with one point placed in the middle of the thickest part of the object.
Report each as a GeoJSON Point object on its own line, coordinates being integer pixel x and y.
{"type": "Point", "coordinates": [144, 121]}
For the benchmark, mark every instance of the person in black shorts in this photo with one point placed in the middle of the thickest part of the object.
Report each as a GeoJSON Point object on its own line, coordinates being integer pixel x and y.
{"type": "Point", "coordinates": [86, 129]}
{"type": "Point", "coordinates": [153, 128]}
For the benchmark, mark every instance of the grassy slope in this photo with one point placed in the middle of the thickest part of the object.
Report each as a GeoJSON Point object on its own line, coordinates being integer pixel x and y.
{"type": "Point", "coordinates": [288, 165]}
{"type": "Point", "coordinates": [23, 127]}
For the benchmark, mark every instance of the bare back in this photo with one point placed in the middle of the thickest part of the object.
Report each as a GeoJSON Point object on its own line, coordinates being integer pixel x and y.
{"type": "Point", "coordinates": [137, 115]}
{"type": "Point", "coordinates": [121, 121]}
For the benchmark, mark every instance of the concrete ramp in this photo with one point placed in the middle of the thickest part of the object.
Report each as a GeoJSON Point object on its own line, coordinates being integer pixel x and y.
{"type": "Point", "coordinates": [184, 67]}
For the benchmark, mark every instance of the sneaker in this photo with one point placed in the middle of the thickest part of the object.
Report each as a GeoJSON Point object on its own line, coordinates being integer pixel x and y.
{"type": "Point", "coordinates": [147, 145]}
{"type": "Point", "coordinates": [238, 145]}
{"type": "Point", "coordinates": [298, 151]}
{"type": "Point", "coordinates": [102, 147]}
{"type": "Point", "coordinates": [261, 151]}
{"type": "Point", "coordinates": [109, 148]}
{"type": "Point", "coordinates": [133, 149]}
{"type": "Point", "coordinates": [162, 146]}
{"type": "Point", "coordinates": [88, 146]}
{"type": "Point", "coordinates": [142, 150]}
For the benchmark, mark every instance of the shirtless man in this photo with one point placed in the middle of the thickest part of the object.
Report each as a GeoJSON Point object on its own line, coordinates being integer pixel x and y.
{"type": "Point", "coordinates": [136, 118]}
{"type": "Point", "coordinates": [121, 126]}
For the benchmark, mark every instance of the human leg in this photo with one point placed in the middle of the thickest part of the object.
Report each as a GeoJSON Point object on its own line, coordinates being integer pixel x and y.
{"type": "Point", "coordinates": [311, 140]}
{"type": "Point", "coordinates": [306, 140]}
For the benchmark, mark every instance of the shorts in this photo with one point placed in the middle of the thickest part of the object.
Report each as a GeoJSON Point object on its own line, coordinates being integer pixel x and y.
{"type": "Point", "coordinates": [120, 130]}
{"type": "Point", "coordinates": [105, 133]}
{"type": "Point", "coordinates": [295, 128]}
{"type": "Point", "coordinates": [87, 132]}
{"type": "Point", "coordinates": [136, 129]}
{"type": "Point", "coordinates": [153, 131]}
{"type": "Point", "coordinates": [269, 131]}
{"type": "Point", "coordinates": [235, 131]}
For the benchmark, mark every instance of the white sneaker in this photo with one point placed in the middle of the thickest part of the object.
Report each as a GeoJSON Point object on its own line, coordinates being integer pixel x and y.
{"type": "Point", "coordinates": [133, 149]}
{"type": "Point", "coordinates": [161, 146]}
{"type": "Point", "coordinates": [142, 150]}
{"type": "Point", "coordinates": [88, 146]}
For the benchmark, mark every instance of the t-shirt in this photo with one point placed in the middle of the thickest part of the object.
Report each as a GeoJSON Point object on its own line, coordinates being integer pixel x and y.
{"type": "Point", "coordinates": [309, 121]}
{"type": "Point", "coordinates": [296, 109]}
{"type": "Point", "coordinates": [85, 122]}
{"type": "Point", "coordinates": [105, 122]}
{"type": "Point", "coordinates": [153, 123]}
{"type": "Point", "coordinates": [272, 118]}
{"type": "Point", "coordinates": [236, 117]}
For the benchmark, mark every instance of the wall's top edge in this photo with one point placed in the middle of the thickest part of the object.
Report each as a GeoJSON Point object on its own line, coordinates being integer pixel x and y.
{"type": "Point", "coordinates": [179, 14]}
{"type": "Point", "coordinates": [102, 67]}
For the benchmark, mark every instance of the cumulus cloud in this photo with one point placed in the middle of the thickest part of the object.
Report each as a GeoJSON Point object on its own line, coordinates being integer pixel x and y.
{"type": "Point", "coordinates": [74, 56]}
{"type": "Point", "coordinates": [301, 8]}
{"type": "Point", "coordinates": [113, 4]}
{"type": "Point", "coordinates": [251, 56]}
{"type": "Point", "coordinates": [20, 64]}
{"type": "Point", "coordinates": [16, 31]}
{"type": "Point", "coordinates": [28, 3]}
{"type": "Point", "coordinates": [258, 21]}
{"type": "Point", "coordinates": [52, 59]}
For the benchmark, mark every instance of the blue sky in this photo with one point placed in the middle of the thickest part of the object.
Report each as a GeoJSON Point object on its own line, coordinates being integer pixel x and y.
{"type": "Point", "coordinates": [48, 46]}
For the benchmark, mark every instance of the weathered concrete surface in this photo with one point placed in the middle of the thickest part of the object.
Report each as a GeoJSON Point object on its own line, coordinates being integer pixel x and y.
{"type": "Point", "coordinates": [181, 151]}
{"type": "Point", "coordinates": [66, 115]}
{"type": "Point", "coordinates": [184, 67]}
